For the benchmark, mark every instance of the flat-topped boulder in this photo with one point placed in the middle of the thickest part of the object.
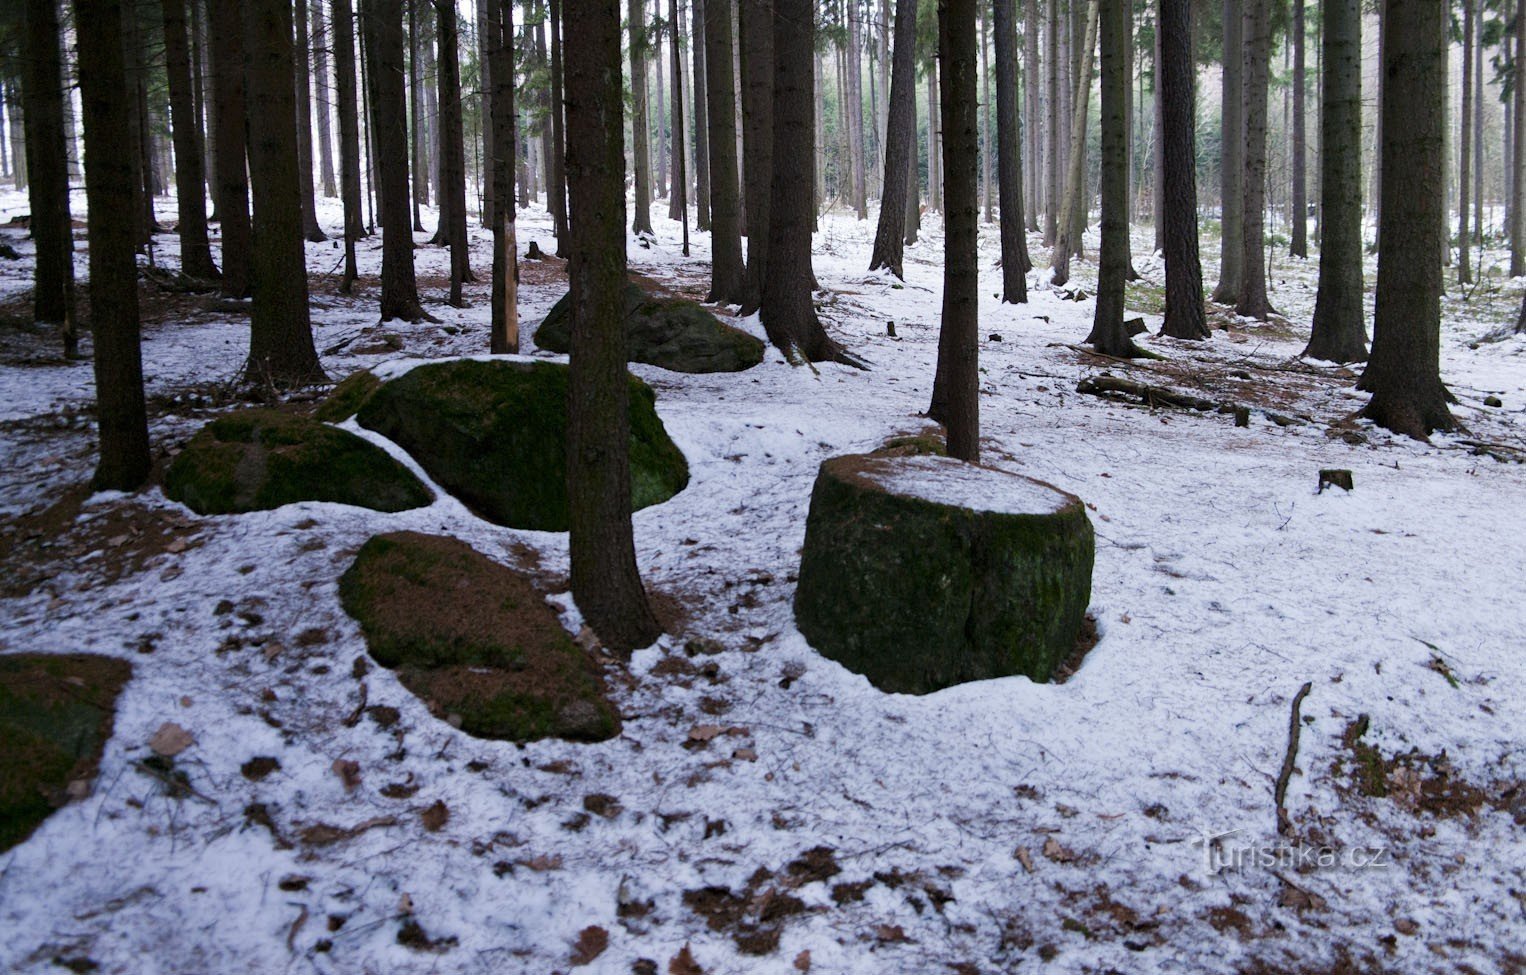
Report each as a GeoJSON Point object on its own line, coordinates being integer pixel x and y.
{"type": "Point", "coordinates": [475, 640]}
{"type": "Point", "coordinates": [255, 460]}
{"type": "Point", "coordinates": [56, 713]}
{"type": "Point", "coordinates": [494, 434]}
{"type": "Point", "coordinates": [921, 571]}
{"type": "Point", "coordinates": [673, 333]}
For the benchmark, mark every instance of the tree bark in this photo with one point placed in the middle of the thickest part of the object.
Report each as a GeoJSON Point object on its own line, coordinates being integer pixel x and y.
{"type": "Point", "coordinates": [1033, 126]}
{"type": "Point", "coordinates": [1339, 331]}
{"type": "Point", "coordinates": [382, 21]}
{"type": "Point", "coordinates": [913, 171]}
{"type": "Point", "coordinates": [900, 143]}
{"type": "Point", "coordinates": [1185, 318]}
{"type": "Point", "coordinates": [605, 581]}
{"type": "Point", "coordinates": [678, 192]}
{"type": "Point", "coordinates": [1054, 190]}
{"type": "Point", "coordinates": [280, 334]}
{"type": "Point", "coordinates": [1232, 160]}
{"type": "Point", "coordinates": [453, 150]}
{"type": "Point", "coordinates": [416, 134]}
{"type": "Point", "coordinates": [956, 385]}
{"type": "Point", "coordinates": [190, 194]}
{"type": "Point", "coordinates": [701, 123]}
{"type": "Point", "coordinates": [503, 333]}
{"type": "Point", "coordinates": [853, 111]}
{"type": "Point", "coordinates": [642, 223]}
{"type": "Point", "coordinates": [321, 34]}
{"type": "Point", "coordinates": [787, 310]}
{"type": "Point", "coordinates": [232, 186]}
{"type": "Point", "coordinates": [1465, 147]}
{"type": "Point", "coordinates": [48, 163]}
{"type": "Point", "coordinates": [302, 105]}
{"type": "Point", "coordinates": [106, 96]}
{"type": "Point", "coordinates": [1517, 169]}
{"type": "Point", "coordinates": [1253, 301]}
{"type": "Point", "coordinates": [1071, 198]}
{"type": "Point", "coordinates": [1108, 334]}
{"type": "Point", "coordinates": [558, 190]}
{"type": "Point", "coordinates": [728, 275]}
{"type": "Point", "coordinates": [1015, 261]}
{"type": "Point", "coordinates": [1403, 374]}
{"type": "Point", "coordinates": [342, 34]}
{"type": "Point", "coordinates": [1299, 245]}
{"type": "Point", "coordinates": [756, 52]}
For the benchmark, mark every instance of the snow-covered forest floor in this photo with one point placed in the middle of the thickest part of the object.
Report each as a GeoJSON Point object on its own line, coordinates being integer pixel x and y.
{"type": "Point", "coordinates": [827, 826]}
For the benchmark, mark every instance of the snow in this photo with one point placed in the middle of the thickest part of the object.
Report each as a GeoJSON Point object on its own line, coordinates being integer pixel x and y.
{"type": "Point", "coordinates": [946, 481]}
{"type": "Point", "coordinates": [1051, 815]}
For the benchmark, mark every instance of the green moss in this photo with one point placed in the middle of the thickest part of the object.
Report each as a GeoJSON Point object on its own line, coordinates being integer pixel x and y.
{"type": "Point", "coordinates": [475, 639]}
{"type": "Point", "coordinates": [914, 444]}
{"type": "Point", "coordinates": [494, 435]}
{"type": "Point", "coordinates": [917, 595]}
{"type": "Point", "coordinates": [672, 333]}
{"type": "Point", "coordinates": [256, 460]}
{"type": "Point", "coordinates": [55, 717]}
{"type": "Point", "coordinates": [348, 397]}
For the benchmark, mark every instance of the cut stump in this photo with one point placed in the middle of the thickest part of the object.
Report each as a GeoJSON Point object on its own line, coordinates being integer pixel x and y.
{"type": "Point", "coordinates": [921, 572]}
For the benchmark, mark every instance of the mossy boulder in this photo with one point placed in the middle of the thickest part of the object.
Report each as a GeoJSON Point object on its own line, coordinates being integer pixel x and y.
{"type": "Point", "coordinates": [475, 640]}
{"type": "Point", "coordinates": [672, 333]}
{"type": "Point", "coordinates": [348, 396]}
{"type": "Point", "coordinates": [921, 572]}
{"type": "Point", "coordinates": [56, 714]}
{"type": "Point", "coordinates": [255, 460]}
{"type": "Point", "coordinates": [494, 435]}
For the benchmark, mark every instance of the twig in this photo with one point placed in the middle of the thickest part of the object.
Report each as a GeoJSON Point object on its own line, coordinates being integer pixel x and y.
{"type": "Point", "coordinates": [1281, 792]}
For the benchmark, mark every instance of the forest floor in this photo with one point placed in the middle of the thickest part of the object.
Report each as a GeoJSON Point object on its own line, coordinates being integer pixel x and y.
{"type": "Point", "coordinates": [1121, 821]}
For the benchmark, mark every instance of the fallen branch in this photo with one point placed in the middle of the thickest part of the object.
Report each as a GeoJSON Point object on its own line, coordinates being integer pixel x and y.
{"type": "Point", "coordinates": [1111, 387]}
{"type": "Point", "coordinates": [1281, 791]}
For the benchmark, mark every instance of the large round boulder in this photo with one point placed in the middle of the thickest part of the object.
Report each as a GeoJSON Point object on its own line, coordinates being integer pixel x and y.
{"type": "Point", "coordinates": [672, 333]}
{"type": "Point", "coordinates": [494, 434]}
{"type": "Point", "coordinates": [255, 460]}
{"type": "Point", "coordinates": [475, 640]}
{"type": "Point", "coordinates": [56, 713]}
{"type": "Point", "coordinates": [921, 572]}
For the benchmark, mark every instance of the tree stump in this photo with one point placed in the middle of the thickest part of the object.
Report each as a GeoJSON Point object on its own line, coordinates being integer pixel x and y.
{"type": "Point", "coordinates": [921, 572]}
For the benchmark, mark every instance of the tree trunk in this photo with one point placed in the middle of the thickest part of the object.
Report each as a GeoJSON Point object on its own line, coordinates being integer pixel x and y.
{"type": "Point", "coordinates": [701, 123]}
{"type": "Point", "coordinates": [1158, 149]}
{"type": "Point", "coordinates": [503, 332]}
{"type": "Point", "coordinates": [280, 334]}
{"type": "Point", "coordinates": [956, 385]}
{"type": "Point", "coordinates": [1071, 198]}
{"type": "Point", "coordinates": [558, 191]}
{"type": "Point", "coordinates": [417, 140]}
{"type": "Point", "coordinates": [728, 275]}
{"type": "Point", "coordinates": [605, 581]}
{"type": "Point", "coordinates": [1185, 317]}
{"type": "Point", "coordinates": [987, 126]}
{"type": "Point", "coordinates": [1465, 147]}
{"type": "Point", "coordinates": [1034, 117]}
{"type": "Point", "coordinates": [143, 197]}
{"type": "Point", "coordinates": [1478, 145]}
{"type": "Point", "coordinates": [1253, 301]}
{"type": "Point", "coordinates": [1108, 334]}
{"type": "Point", "coordinates": [934, 141]}
{"type": "Point", "coordinates": [106, 96]}
{"type": "Point", "coordinates": [302, 105]}
{"type": "Point", "coordinates": [1517, 169]}
{"type": "Point", "coordinates": [660, 189]}
{"type": "Point", "coordinates": [453, 150]}
{"type": "Point", "coordinates": [16, 118]}
{"type": "Point", "coordinates": [1403, 374]}
{"type": "Point", "coordinates": [1015, 261]}
{"type": "Point", "coordinates": [853, 111]}
{"type": "Point", "coordinates": [342, 36]}
{"type": "Point", "coordinates": [48, 164]}
{"type": "Point", "coordinates": [900, 142]}
{"type": "Point", "coordinates": [1299, 246]}
{"type": "Point", "coordinates": [679, 188]}
{"type": "Point", "coordinates": [382, 21]}
{"type": "Point", "coordinates": [642, 223]}
{"type": "Point", "coordinates": [788, 313]}
{"type": "Point", "coordinates": [1339, 332]}
{"type": "Point", "coordinates": [321, 33]}
{"type": "Point", "coordinates": [1232, 160]}
{"type": "Point", "coordinates": [190, 194]}
{"type": "Point", "coordinates": [913, 170]}
{"type": "Point", "coordinates": [1054, 190]}
{"type": "Point", "coordinates": [757, 63]}
{"type": "Point", "coordinates": [232, 186]}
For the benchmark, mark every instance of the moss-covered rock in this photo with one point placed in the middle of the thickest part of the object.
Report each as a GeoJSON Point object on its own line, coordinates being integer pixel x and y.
{"type": "Point", "coordinates": [474, 639]}
{"type": "Point", "coordinates": [494, 435]}
{"type": "Point", "coordinates": [348, 397]}
{"type": "Point", "coordinates": [56, 714]}
{"type": "Point", "coordinates": [255, 460]}
{"type": "Point", "coordinates": [672, 333]}
{"type": "Point", "coordinates": [921, 571]}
